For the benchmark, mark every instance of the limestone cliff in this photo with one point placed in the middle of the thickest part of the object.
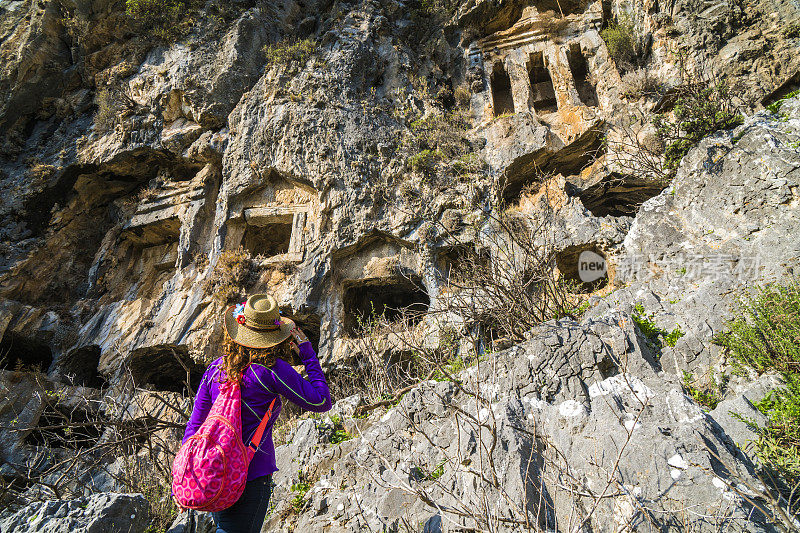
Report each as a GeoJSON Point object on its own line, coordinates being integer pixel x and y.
{"type": "Point", "coordinates": [342, 155]}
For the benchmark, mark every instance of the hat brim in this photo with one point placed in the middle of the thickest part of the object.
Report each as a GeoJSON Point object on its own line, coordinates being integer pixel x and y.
{"type": "Point", "coordinates": [251, 338]}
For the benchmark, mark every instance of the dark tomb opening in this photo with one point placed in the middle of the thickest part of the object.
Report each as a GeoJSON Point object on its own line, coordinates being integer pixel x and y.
{"type": "Point", "coordinates": [269, 239]}
{"type": "Point", "coordinates": [18, 352]}
{"type": "Point", "coordinates": [543, 95]}
{"type": "Point", "coordinates": [164, 369]}
{"type": "Point", "coordinates": [616, 195]}
{"type": "Point", "coordinates": [580, 73]}
{"type": "Point", "coordinates": [502, 99]}
{"type": "Point", "coordinates": [393, 298]}
{"type": "Point", "coordinates": [575, 269]}
{"type": "Point", "coordinates": [80, 367]}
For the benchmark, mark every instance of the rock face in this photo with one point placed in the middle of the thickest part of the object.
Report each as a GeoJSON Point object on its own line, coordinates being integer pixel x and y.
{"type": "Point", "coordinates": [126, 513]}
{"type": "Point", "coordinates": [721, 225]}
{"type": "Point", "coordinates": [339, 155]}
{"type": "Point", "coordinates": [577, 423]}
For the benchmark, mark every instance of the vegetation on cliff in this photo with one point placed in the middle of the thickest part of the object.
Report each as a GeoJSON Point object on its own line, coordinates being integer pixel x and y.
{"type": "Point", "coordinates": [765, 338]}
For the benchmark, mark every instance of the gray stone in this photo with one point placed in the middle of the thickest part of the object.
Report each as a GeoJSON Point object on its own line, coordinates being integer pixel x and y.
{"type": "Point", "coordinates": [111, 231]}
{"type": "Point", "coordinates": [192, 522]}
{"type": "Point", "coordinates": [734, 195]}
{"type": "Point", "coordinates": [737, 415]}
{"type": "Point", "coordinates": [589, 390]}
{"type": "Point", "coordinates": [99, 513]}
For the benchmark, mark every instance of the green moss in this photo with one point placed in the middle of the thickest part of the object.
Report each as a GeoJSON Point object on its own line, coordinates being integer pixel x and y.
{"type": "Point", "coordinates": [433, 475]}
{"type": "Point", "coordinates": [578, 310]}
{"type": "Point", "coordinates": [299, 500]}
{"type": "Point", "coordinates": [671, 338]}
{"type": "Point", "coordinates": [646, 324]}
{"type": "Point", "coordinates": [339, 433]}
{"type": "Point", "coordinates": [656, 336]}
{"type": "Point", "coordinates": [705, 396]}
{"type": "Point", "coordinates": [163, 19]}
{"type": "Point", "coordinates": [452, 367]}
{"type": "Point", "coordinates": [425, 161]}
{"type": "Point", "coordinates": [437, 146]}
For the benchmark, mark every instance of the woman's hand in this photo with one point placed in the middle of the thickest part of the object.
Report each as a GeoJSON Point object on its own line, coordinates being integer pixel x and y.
{"type": "Point", "coordinates": [299, 338]}
{"type": "Point", "coordinates": [298, 335]}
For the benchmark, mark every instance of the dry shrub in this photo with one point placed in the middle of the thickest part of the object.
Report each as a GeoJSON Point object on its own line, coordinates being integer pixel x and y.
{"type": "Point", "coordinates": [462, 95]}
{"type": "Point", "coordinates": [128, 439]}
{"type": "Point", "coordinates": [639, 83]}
{"type": "Point", "coordinates": [508, 286]}
{"type": "Point", "coordinates": [234, 272]}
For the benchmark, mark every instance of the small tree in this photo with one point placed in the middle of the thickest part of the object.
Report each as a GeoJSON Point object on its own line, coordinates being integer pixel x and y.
{"type": "Point", "coordinates": [701, 108]}
{"type": "Point", "coordinates": [620, 41]}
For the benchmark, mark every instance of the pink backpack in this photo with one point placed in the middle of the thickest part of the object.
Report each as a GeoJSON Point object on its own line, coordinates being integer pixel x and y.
{"type": "Point", "coordinates": [210, 470]}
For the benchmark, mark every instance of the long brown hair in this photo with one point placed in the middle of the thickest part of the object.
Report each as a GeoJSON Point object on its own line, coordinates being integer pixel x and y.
{"type": "Point", "coordinates": [236, 357]}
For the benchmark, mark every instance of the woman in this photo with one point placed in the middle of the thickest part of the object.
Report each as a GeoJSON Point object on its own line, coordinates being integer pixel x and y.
{"type": "Point", "coordinates": [258, 342]}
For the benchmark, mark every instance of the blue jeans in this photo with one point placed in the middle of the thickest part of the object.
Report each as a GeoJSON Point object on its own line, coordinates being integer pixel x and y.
{"type": "Point", "coordinates": [247, 514]}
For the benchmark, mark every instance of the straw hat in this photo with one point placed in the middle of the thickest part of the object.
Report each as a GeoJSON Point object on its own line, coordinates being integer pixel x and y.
{"type": "Point", "coordinates": [257, 323]}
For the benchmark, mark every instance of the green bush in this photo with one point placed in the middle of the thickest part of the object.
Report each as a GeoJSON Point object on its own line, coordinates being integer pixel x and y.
{"type": "Point", "coordinates": [424, 474]}
{"type": "Point", "coordinates": [620, 41]}
{"type": "Point", "coordinates": [425, 161]}
{"type": "Point", "coordinates": [701, 109]}
{"type": "Point", "coordinates": [106, 117]}
{"type": "Point", "coordinates": [339, 433]}
{"type": "Point", "coordinates": [452, 367]}
{"type": "Point", "coordinates": [436, 145]}
{"type": "Point", "coordinates": [766, 336]}
{"type": "Point", "coordinates": [163, 19]}
{"type": "Point", "coordinates": [428, 16]}
{"type": "Point", "coordinates": [779, 442]}
{"type": "Point", "coordinates": [300, 489]}
{"type": "Point", "coordinates": [290, 53]}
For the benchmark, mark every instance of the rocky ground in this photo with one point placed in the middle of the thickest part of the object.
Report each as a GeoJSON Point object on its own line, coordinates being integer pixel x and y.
{"type": "Point", "coordinates": [341, 155]}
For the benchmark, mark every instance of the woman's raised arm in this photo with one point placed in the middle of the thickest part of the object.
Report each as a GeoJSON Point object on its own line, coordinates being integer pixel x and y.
{"type": "Point", "coordinates": [311, 394]}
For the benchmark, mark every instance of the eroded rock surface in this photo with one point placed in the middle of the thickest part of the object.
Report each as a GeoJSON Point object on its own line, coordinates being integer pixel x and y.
{"type": "Point", "coordinates": [132, 170]}
{"type": "Point", "coordinates": [95, 514]}
{"type": "Point", "coordinates": [578, 410]}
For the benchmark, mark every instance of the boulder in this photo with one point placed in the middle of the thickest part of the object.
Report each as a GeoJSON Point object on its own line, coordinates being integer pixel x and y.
{"type": "Point", "coordinates": [99, 513]}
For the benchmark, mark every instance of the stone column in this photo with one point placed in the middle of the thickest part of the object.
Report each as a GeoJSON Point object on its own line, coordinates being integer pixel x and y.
{"type": "Point", "coordinates": [563, 83]}
{"type": "Point", "coordinates": [517, 70]}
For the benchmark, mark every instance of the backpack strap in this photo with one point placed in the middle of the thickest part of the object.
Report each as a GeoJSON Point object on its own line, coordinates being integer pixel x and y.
{"type": "Point", "coordinates": [255, 442]}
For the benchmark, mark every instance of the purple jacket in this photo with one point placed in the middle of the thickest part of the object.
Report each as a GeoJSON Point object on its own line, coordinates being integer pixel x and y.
{"type": "Point", "coordinates": [260, 385]}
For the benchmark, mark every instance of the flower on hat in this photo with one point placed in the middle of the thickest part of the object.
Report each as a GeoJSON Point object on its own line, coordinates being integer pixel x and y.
{"type": "Point", "coordinates": [238, 313]}
{"type": "Point", "coordinates": [277, 321]}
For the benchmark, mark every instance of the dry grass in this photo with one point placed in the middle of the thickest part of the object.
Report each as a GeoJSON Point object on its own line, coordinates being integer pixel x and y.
{"type": "Point", "coordinates": [235, 271]}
